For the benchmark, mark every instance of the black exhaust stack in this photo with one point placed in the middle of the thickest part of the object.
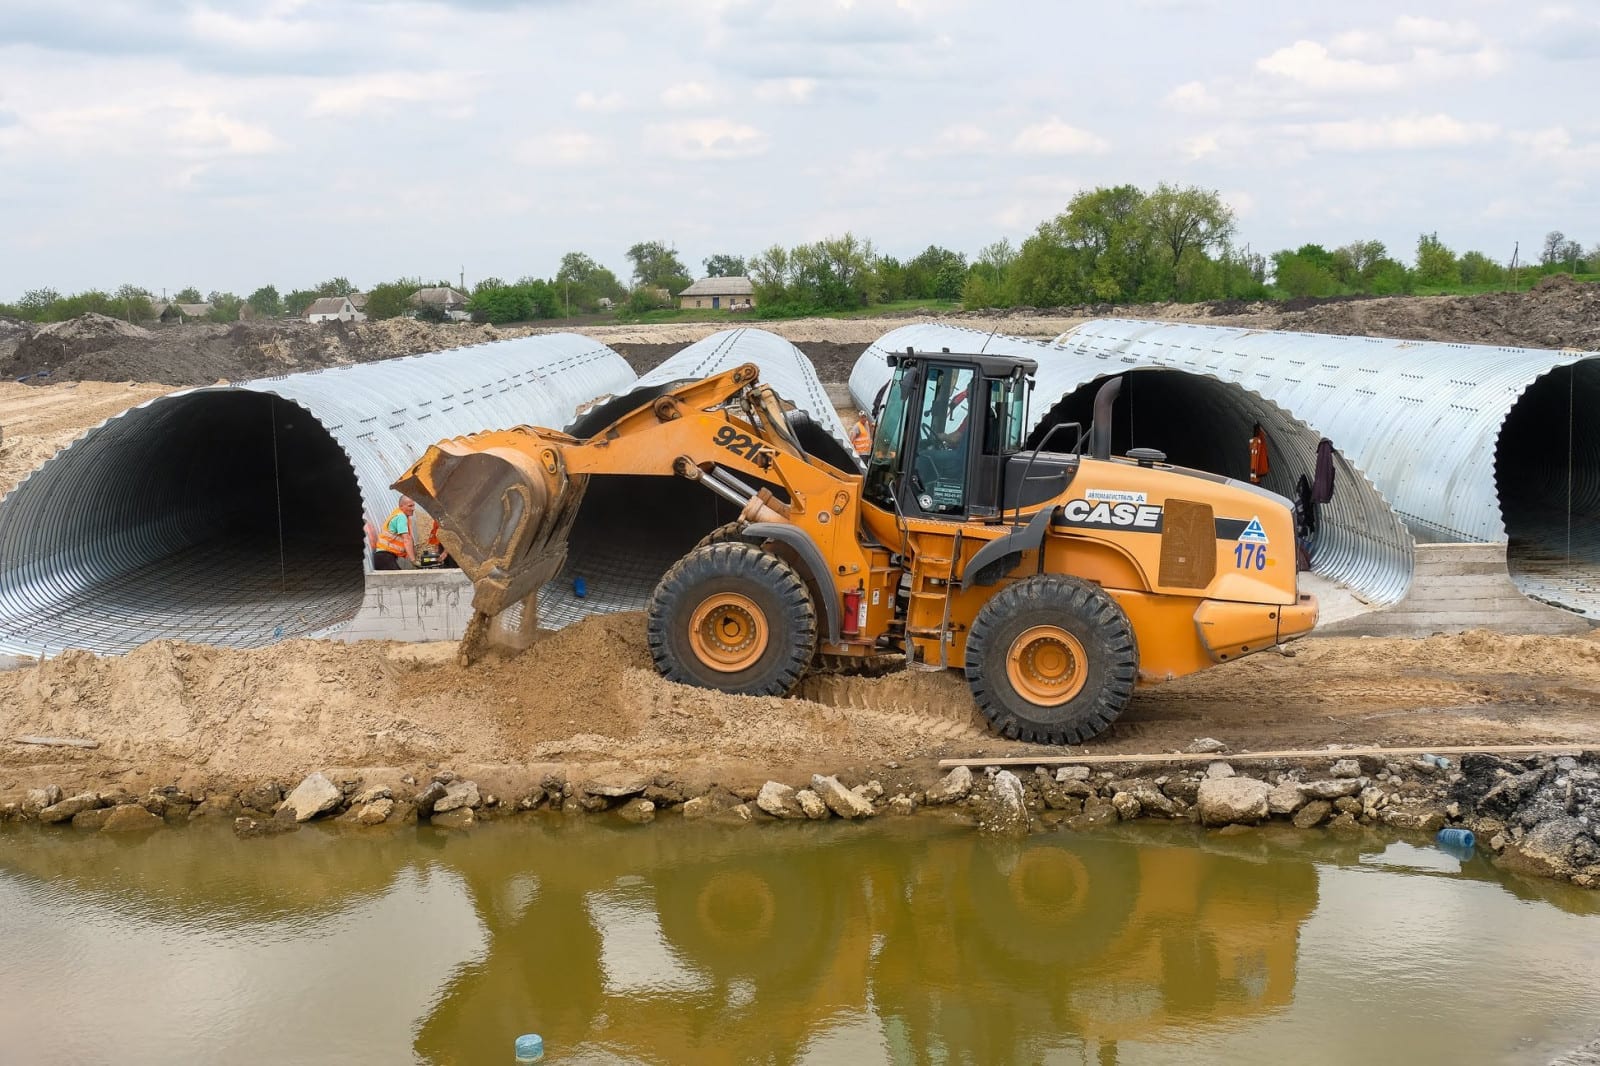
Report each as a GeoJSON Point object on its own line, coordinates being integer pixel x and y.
{"type": "Point", "coordinates": [1100, 431]}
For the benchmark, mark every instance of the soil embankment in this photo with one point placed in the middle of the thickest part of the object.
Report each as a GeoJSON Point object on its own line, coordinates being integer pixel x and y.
{"type": "Point", "coordinates": [588, 695]}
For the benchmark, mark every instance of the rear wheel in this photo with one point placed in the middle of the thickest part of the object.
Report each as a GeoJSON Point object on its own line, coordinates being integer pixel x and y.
{"type": "Point", "coordinates": [734, 618]}
{"type": "Point", "coordinates": [1052, 659]}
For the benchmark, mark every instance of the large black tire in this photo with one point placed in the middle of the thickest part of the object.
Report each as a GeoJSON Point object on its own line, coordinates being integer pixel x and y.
{"type": "Point", "coordinates": [734, 618]}
{"type": "Point", "coordinates": [1068, 646]}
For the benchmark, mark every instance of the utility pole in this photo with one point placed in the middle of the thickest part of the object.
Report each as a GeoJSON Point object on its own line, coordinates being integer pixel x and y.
{"type": "Point", "coordinates": [463, 281]}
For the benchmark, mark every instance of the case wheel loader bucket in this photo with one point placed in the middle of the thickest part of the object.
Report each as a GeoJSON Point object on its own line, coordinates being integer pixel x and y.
{"type": "Point", "coordinates": [503, 516]}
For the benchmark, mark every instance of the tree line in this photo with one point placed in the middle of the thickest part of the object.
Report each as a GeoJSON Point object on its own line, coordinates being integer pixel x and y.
{"type": "Point", "coordinates": [1111, 245]}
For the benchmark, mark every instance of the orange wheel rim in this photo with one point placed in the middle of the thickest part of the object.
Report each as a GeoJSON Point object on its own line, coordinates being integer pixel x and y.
{"type": "Point", "coordinates": [728, 632]}
{"type": "Point", "coordinates": [1047, 665]}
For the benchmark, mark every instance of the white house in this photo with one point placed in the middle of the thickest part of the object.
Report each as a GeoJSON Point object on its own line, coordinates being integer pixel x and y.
{"type": "Point", "coordinates": [334, 309]}
{"type": "Point", "coordinates": [719, 294]}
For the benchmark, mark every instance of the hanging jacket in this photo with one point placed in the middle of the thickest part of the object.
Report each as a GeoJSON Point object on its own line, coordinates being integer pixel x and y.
{"type": "Point", "coordinates": [1322, 487]}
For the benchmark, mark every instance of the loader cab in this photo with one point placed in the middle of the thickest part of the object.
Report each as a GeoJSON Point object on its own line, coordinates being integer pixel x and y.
{"type": "Point", "coordinates": [948, 426]}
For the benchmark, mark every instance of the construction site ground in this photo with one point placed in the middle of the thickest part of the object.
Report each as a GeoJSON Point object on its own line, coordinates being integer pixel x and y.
{"type": "Point", "coordinates": [587, 696]}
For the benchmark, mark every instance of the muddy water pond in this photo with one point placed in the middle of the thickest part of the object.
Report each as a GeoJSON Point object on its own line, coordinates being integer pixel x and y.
{"type": "Point", "coordinates": [897, 941]}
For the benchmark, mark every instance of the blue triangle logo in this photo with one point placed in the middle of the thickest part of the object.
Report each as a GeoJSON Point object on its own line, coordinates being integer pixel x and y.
{"type": "Point", "coordinates": [1254, 532]}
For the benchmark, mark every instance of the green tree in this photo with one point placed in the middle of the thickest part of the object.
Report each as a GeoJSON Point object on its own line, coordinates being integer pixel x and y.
{"type": "Point", "coordinates": [336, 287]}
{"type": "Point", "coordinates": [724, 266]}
{"type": "Point", "coordinates": [582, 283]}
{"type": "Point", "coordinates": [189, 295]}
{"type": "Point", "coordinates": [1108, 230]}
{"type": "Point", "coordinates": [224, 307]}
{"type": "Point", "coordinates": [1186, 222]}
{"type": "Point", "coordinates": [657, 263]}
{"type": "Point", "coordinates": [266, 301]}
{"type": "Point", "coordinates": [1307, 271]}
{"type": "Point", "coordinates": [135, 304]}
{"type": "Point", "coordinates": [935, 274]}
{"type": "Point", "coordinates": [1436, 264]}
{"type": "Point", "coordinates": [1478, 269]}
{"type": "Point", "coordinates": [392, 299]}
{"type": "Point", "coordinates": [297, 300]}
{"type": "Point", "coordinates": [489, 283]}
{"type": "Point", "coordinates": [528, 299]}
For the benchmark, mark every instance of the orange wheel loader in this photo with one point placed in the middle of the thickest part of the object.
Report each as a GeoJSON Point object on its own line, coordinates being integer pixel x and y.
{"type": "Point", "coordinates": [1057, 581]}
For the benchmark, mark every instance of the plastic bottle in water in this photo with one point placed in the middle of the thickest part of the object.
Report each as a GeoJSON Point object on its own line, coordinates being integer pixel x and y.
{"type": "Point", "coordinates": [530, 1048]}
{"type": "Point", "coordinates": [1452, 837]}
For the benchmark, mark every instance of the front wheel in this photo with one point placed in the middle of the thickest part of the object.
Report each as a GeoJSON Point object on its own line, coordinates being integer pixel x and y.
{"type": "Point", "coordinates": [735, 618]}
{"type": "Point", "coordinates": [1052, 659]}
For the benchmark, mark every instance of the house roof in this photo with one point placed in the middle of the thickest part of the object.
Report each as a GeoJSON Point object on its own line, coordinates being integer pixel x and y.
{"type": "Point", "coordinates": [358, 300]}
{"type": "Point", "coordinates": [195, 310]}
{"type": "Point", "coordinates": [720, 287]}
{"type": "Point", "coordinates": [326, 305]}
{"type": "Point", "coordinates": [445, 297]}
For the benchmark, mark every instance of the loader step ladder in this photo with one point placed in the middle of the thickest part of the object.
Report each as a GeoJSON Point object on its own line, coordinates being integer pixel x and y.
{"type": "Point", "coordinates": [928, 613]}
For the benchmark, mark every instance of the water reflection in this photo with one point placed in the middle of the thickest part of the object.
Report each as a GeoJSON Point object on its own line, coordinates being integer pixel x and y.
{"type": "Point", "coordinates": [901, 941]}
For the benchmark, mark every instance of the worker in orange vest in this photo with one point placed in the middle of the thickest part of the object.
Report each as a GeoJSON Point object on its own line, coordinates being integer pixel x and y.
{"type": "Point", "coordinates": [395, 540]}
{"type": "Point", "coordinates": [861, 435]}
{"type": "Point", "coordinates": [1259, 466]}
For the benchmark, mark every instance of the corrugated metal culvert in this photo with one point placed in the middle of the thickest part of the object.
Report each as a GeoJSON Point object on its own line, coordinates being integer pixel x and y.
{"type": "Point", "coordinates": [233, 515]}
{"type": "Point", "coordinates": [1467, 442]}
{"type": "Point", "coordinates": [1201, 421]}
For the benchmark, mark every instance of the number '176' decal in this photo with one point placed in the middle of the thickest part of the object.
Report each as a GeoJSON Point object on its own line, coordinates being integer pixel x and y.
{"type": "Point", "coordinates": [1250, 556]}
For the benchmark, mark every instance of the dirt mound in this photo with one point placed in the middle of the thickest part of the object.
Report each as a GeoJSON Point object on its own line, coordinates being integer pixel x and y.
{"type": "Point", "coordinates": [92, 326]}
{"type": "Point", "coordinates": [96, 348]}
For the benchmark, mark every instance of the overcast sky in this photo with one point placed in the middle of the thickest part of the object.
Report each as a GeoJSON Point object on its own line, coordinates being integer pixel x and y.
{"type": "Point", "coordinates": [227, 145]}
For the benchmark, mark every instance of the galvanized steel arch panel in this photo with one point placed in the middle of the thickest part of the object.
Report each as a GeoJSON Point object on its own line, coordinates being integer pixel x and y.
{"type": "Point", "coordinates": [136, 531]}
{"type": "Point", "coordinates": [1421, 418]}
{"type": "Point", "coordinates": [783, 366]}
{"type": "Point", "coordinates": [1362, 542]}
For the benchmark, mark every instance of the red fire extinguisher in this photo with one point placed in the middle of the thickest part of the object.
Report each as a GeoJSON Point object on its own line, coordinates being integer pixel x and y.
{"type": "Point", "coordinates": [855, 611]}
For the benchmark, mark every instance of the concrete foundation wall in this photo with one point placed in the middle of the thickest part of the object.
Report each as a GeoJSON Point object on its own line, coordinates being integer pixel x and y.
{"type": "Point", "coordinates": [1456, 587]}
{"type": "Point", "coordinates": [411, 605]}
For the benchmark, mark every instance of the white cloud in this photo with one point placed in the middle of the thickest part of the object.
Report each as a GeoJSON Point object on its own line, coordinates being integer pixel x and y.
{"type": "Point", "coordinates": [963, 138]}
{"type": "Point", "coordinates": [708, 138]}
{"type": "Point", "coordinates": [564, 147]}
{"type": "Point", "coordinates": [786, 90]}
{"type": "Point", "coordinates": [1401, 133]}
{"type": "Point", "coordinates": [350, 97]}
{"type": "Point", "coordinates": [1055, 138]}
{"type": "Point", "coordinates": [597, 102]}
{"type": "Point", "coordinates": [209, 131]}
{"type": "Point", "coordinates": [1200, 146]}
{"type": "Point", "coordinates": [1414, 51]}
{"type": "Point", "coordinates": [1192, 97]}
{"type": "Point", "coordinates": [688, 94]}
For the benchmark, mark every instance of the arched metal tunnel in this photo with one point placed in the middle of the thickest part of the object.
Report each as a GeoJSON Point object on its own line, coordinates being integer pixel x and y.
{"type": "Point", "coordinates": [1468, 443]}
{"type": "Point", "coordinates": [1200, 422]}
{"type": "Point", "coordinates": [234, 515]}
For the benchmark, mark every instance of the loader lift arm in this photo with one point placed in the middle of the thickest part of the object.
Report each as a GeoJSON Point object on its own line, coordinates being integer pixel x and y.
{"type": "Point", "coordinates": [506, 499]}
